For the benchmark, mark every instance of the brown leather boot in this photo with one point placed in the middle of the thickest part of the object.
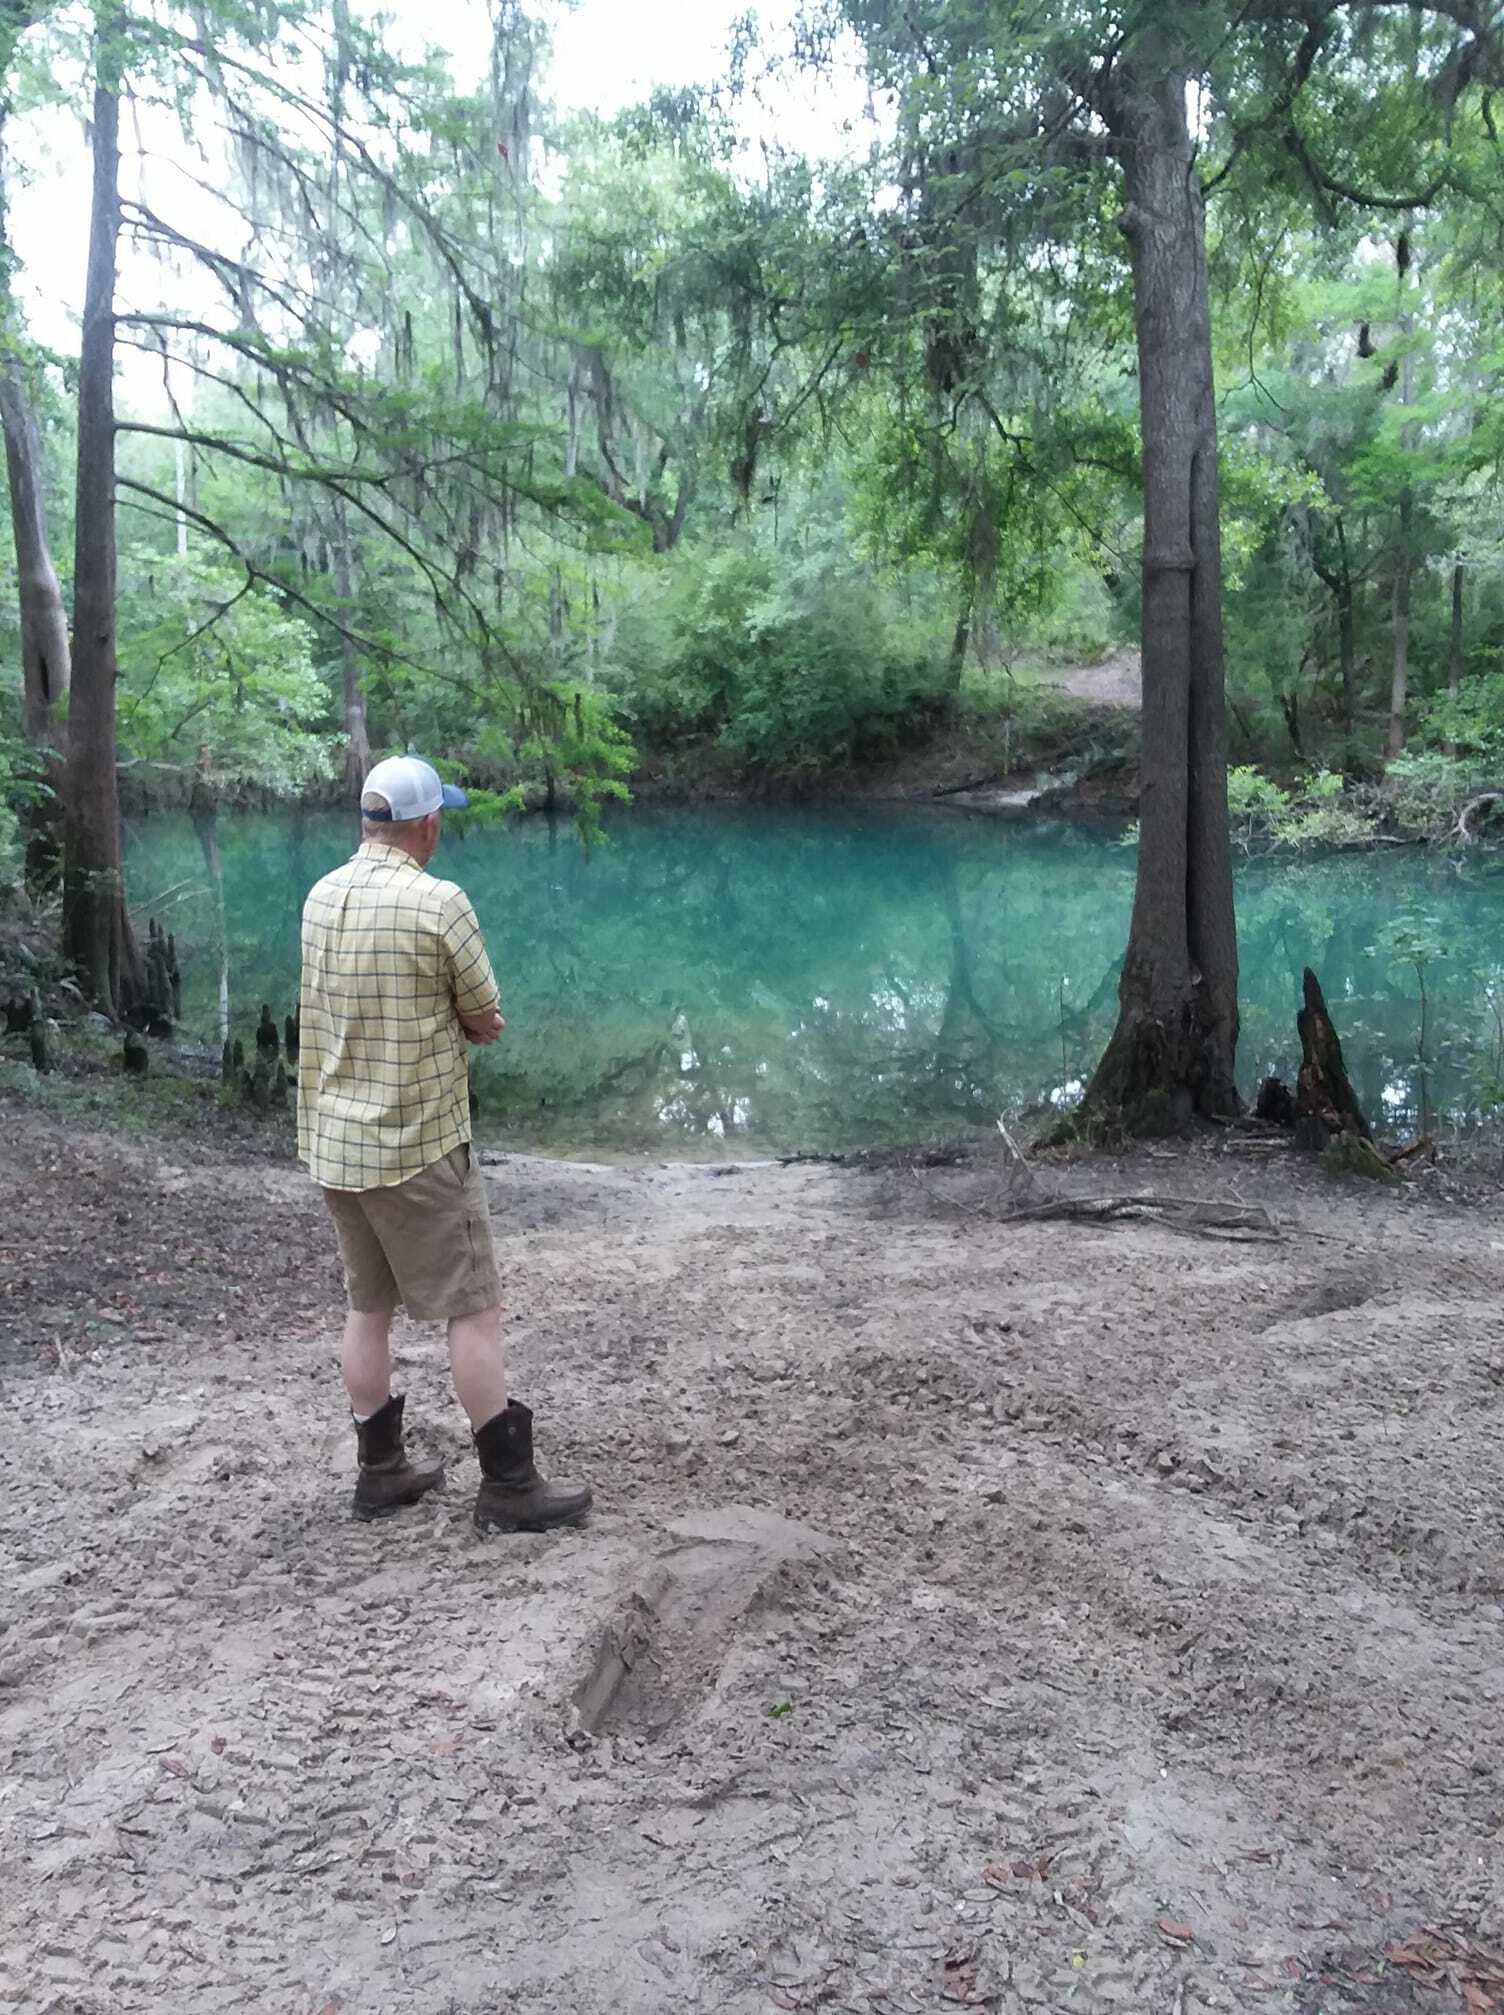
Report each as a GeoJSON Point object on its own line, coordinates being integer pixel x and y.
{"type": "Point", "coordinates": [387, 1480]}
{"type": "Point", "coordinates": [513, 1497]}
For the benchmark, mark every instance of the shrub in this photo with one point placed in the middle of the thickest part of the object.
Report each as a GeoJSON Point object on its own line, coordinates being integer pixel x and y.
{"type": "Point", "coordinates": [788, 665]}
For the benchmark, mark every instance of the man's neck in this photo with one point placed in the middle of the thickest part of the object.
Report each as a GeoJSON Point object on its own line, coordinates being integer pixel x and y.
{"type": "Point", "coordinates": [391, 845]}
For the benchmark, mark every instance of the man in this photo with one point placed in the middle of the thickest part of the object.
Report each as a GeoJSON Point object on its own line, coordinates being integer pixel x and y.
{"type": "Point", "coordinates": [395, 982]}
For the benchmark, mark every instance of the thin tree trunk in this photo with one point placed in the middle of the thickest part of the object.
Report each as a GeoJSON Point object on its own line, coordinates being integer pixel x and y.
{"type": "Point", "coordinates": [45, 660]}
{"type": "Point", "coordinates": [97, 934]}
{"type": "Point", "coordinates": [1347, 645]}
{"type": "Point", "coordinates": [1454, 654]}
{"type": "Point", "coordinates": [1173, 1052]}
{"type": "Point", "coordinates": [357, 727]}
{"type": "Point", "coordinates": [1400, 684]}
{"type": "Point", "coordinates": [204, 811]}
{"type": "Point", "coordinates": [1347, 651]}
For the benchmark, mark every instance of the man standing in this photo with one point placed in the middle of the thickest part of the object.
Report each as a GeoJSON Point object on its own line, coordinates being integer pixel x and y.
{"type": "Point", "coordinates": [395, 981]}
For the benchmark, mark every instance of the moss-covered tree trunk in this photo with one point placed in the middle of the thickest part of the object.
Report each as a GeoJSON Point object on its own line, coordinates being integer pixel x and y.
{"type": "Point", "coordinates": [96, 926]}
{"type": "Point", "coordinates": [1173, 1051]}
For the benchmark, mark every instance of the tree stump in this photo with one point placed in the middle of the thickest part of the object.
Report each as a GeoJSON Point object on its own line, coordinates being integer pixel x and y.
{"type": "Point", "coordinates": [20, 1011]}
{"type": "Point", "coordinates": [268, 1042]}
{"type": "Point", "coordinates": [227, 1064]}
{"type": "Point", "coordinates": [1276, 1103]}
{"type": "Point", "coordinates": [260, 1082]}
{"type": "Point", "coordinates": [1322, 1091]}
{"type": "Point", "coordinates": [40, 1037]}
{"type": "Point", "coordinates": [156, 1013]}
{"type": "Point", "coordinates": [290, 1039]}
{"type": "Point", "coordinates": [136, 1056]}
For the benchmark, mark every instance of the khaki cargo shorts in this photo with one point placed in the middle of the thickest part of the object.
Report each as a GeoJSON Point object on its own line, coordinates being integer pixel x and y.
{"type": "Point", "coordinates": [425, 1242]}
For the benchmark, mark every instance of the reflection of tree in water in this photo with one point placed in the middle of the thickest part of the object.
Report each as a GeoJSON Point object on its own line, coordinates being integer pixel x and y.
{"type": "Point", "coordinates": [799, 980]}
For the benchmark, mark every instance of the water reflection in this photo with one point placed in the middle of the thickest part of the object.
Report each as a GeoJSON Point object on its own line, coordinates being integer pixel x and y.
{"type": "Point", "coordinates": [792, 980]}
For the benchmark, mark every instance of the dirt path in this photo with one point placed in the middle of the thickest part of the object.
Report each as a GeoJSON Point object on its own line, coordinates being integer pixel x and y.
{"type": "Point", "coordinates": [1011, 1616]}
{"type": "Point", "coordinates": [1116, 681]}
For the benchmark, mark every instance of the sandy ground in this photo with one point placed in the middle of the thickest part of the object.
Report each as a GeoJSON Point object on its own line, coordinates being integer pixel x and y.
{"type": "Point", "coordinates": [1116, 681]}
{"type": "Point", "coordinates": [1011, 1616]}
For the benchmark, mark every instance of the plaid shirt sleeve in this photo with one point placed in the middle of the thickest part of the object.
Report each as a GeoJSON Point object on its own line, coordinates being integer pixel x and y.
{"type": "Point", "coordinates": [470, 975]}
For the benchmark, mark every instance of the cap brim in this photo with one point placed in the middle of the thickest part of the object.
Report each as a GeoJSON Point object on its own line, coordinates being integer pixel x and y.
{"type": "Point", "coordinates": [455, 799]}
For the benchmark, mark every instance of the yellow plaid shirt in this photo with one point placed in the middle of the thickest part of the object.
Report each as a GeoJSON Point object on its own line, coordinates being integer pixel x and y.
{"type": "Point", "coordinates": [391, 956]}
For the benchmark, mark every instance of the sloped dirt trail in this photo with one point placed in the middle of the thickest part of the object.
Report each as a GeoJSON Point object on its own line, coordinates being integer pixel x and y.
{"type": "Point", "coordinates": [1003, 1616]}
{"type": "Point", "coordinates": [1114, 681]}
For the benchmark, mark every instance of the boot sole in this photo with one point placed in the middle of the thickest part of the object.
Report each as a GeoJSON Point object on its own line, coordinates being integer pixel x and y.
{"type": "Point", "coordinates": [502, 1525]}
{"type": "Point", "coordinates": [368, 1513]}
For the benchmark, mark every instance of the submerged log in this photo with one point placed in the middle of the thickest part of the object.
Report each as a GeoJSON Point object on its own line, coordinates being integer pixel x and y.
{"type": "Point", "coordinates": [1323, 1093]}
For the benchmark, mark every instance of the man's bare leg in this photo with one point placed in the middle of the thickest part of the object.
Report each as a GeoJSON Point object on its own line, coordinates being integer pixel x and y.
{"type": "Point", "coordinates": [366, 1361]}
{"type": "Point", "coordinates": [478, 1364]}
{"type": "Point", "coordinates": [386, 1480]}
{"type": "Point", "coordinates": [513, 1497]}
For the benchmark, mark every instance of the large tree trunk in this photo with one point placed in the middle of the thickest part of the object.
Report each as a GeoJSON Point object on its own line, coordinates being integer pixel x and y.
{"type": "Point", "coordinates": [44, 621]}
{"type": "Point", "coordinates": [1173, 1052]}
{"type": "Point", "coordinates": [96, 927]}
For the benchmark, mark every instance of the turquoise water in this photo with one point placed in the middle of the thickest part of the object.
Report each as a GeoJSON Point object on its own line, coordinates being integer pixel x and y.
{"type": "Point", "coordinates": [717, 981]}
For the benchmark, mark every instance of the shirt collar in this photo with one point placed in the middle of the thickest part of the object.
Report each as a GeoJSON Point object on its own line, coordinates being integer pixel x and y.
{"type": "Point", "coordinates": [379, 853]}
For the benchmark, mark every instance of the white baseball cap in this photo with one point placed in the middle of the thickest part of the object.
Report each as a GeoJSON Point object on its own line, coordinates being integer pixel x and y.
{"type": "Point", "coordinates": [412, 788]}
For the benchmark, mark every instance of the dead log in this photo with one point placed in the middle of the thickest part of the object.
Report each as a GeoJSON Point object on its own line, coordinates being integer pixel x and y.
{"type": "Point", "coordinates": [1323, 1093]}
{"type": "Point", "coordinates": [1485, 801]}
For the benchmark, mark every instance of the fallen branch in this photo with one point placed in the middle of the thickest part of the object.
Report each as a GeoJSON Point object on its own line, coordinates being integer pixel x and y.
{"type": "Point", "coordinates": [1416, 1147]}
{"type": "Point", "coordinates": [972, 784]}
{"type": "Point", "coordinates": [1471, 809]}
{"type": "Point", "coordinates": [1200, 1218]}
{"type": "Point", "coordinates": [1234, 1223]}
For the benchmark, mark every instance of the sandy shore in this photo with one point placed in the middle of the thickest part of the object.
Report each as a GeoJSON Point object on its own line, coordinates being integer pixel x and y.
{"type": "Point", "coordinates": [976, 1613]}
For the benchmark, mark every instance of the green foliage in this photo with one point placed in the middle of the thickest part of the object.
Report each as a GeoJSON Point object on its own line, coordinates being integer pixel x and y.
{"type": "Point", "coordinates": [1471, 722]}
{"type": "Point", "coordinates": [1422, 793]}
{"type": "Point", "coordinates": [1312, 813]}
{"type": "Point", "coordinates": [21, 785]}
{"type": "Point", "coordinates": [215, 677]}
{"type": "Point", "coordinates": [1415, 939]}
{"type": "Point", "coordinates": [787, 666]}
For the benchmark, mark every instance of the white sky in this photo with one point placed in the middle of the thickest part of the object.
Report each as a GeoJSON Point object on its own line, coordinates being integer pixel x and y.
{"type": "Point", "coordinates": [607, 54]}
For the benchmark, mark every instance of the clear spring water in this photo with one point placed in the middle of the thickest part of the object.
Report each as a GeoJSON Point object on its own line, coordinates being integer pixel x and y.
{"type": "Point", "coordinates": [745, 981]}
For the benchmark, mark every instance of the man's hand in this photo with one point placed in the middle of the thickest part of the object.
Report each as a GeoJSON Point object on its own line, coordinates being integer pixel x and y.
{"type": "Point", "coordinates": [484, 1027]}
